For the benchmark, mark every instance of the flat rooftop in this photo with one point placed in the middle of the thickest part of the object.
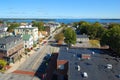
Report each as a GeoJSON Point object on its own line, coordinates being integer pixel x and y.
{"type": "Point", "coordinates": [95, 67]}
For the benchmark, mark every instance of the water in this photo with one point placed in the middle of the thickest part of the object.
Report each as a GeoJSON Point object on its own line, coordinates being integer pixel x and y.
{"type": "Point", "coordinates": [66, 21]}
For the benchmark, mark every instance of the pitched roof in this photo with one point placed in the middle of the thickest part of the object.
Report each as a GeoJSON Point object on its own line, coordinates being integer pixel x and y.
{"type": "Point", "coordinates": [8, 39]}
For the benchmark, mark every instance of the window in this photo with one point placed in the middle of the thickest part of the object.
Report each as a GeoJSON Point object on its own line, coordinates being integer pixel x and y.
{"type": "Point", "coordinates": [61, 67]}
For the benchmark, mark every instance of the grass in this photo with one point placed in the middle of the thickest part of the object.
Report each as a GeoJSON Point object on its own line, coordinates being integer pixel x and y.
{"type": "Point", "coordinates": [94, 43]}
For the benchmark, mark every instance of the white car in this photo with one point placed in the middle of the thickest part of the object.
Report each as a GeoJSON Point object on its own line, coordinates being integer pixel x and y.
{"type": "Point", "coordinates": [85, 75]}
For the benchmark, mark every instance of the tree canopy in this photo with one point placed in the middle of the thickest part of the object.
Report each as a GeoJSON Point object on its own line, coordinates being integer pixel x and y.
{"type": "Point", "coordinates": [40, 25]}
{"type": "Point", "coordinates": [70, 36]}
{"type": "Point", "coordinates": [111, 37]}
{"type": "Point", "coordinates": [13, 26]}
{"type": "Point", "coordinates": [93, 30]}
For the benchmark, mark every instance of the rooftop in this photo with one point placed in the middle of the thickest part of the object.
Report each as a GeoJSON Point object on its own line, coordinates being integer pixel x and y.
{"type": "Point", "coordinates": [26, 27]}
{"type": "Point", "coordinates": [82, 36]}
{"type": "Point", "coordinates": [94, 67]}
{"type": "Point", "coordinates": [9, 39]}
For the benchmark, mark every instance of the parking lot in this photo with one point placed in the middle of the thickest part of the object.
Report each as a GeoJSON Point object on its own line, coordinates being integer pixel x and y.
{"type": "Point", "coordinates": [96, 66]}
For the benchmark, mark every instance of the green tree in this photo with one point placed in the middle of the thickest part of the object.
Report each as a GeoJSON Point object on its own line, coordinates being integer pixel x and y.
{"type": "Point", "coordinates": [40, 25]}
{"type": "Point", "coordinates": [70, 36]}
{"type": "Point", "coordinates": [100, 32]}
{"type": "Point", "coordinates": [113, 25]}
{"type": "Point", "coordinates": [13, 26]}
{"type": "Point", "coordinates": [111, 37]}
{"type": "Point", "coordinates": [83, 27]}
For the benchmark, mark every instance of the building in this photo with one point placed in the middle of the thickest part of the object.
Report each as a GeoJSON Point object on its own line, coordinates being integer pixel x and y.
{"type": "Point", "coordinates": [42, 34]}
{"type": "Point", "coordinates": [51, 26]}
{"type": "Point", "coordinates": [3, 33]}
{"type": "Point", "coordinates": [28, 41]}
{"type": "Point", "coordinates": [82, 38]}
{"type": "Point", "coordinates": [57, 68]}
{"type": "Point", "coordinates": [33, 31]}
{"type": "Point", "coordinates": [3, 26]}
{"type": "Point", "coordinates": [11, 48]}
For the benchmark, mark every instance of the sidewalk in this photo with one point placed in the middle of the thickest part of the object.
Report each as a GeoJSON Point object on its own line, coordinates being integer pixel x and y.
{"type": "Point", "coordinates": [19, 62]}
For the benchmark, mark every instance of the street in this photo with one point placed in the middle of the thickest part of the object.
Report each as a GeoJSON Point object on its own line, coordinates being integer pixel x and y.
{"type": "Point", "coordinates": [28, 68]}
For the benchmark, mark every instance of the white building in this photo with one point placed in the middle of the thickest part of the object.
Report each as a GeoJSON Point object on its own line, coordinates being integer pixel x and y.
{"type": "Point", "coordinates": [33, 31]}
{"type": "Point", "coordinates": [28, 41]}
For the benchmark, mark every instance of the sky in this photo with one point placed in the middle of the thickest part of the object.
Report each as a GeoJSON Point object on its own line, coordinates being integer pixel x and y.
{"type": "Point", "coordinates": [60, 9]}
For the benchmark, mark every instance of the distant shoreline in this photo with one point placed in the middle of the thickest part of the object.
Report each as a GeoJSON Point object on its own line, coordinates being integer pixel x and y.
{"type": "Point", "coordinates": [66, 21]}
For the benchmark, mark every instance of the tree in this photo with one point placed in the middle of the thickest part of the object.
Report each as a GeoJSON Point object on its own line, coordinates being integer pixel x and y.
{"type": "Point", "coordinates": [59, 36]}
{"type": "Point", "coordinates": [40, 25]}
{"type": "Point", "coordinates": [111, 37]}
{"type": "Point", "coordinates": [113, 25]}
{"type": "Point", "coordinates": [100, 32]}
{"type": "Point", "coordinates": [2, 64]}
{"type": "Point", "coordinates": [82, 27]}
{"type": "Point", "coordinates": [70, 36]}
{"type": "Point", "coordinates": [13, 26]}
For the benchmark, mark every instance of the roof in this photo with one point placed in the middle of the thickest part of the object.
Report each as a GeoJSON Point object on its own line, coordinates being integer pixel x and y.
{"type": "Point", "coordinates": [8, 39]}
{"type": "Point", "coordinates": [82, 36]}
{"type": "Point", "coordinates": [26, 28]}
{"type": "Point", "coordinates": [94, 65]}
{"type": "Point", "coordinates": [73, 59]}
{"type": "Point", "coordinates": [26, 37]}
